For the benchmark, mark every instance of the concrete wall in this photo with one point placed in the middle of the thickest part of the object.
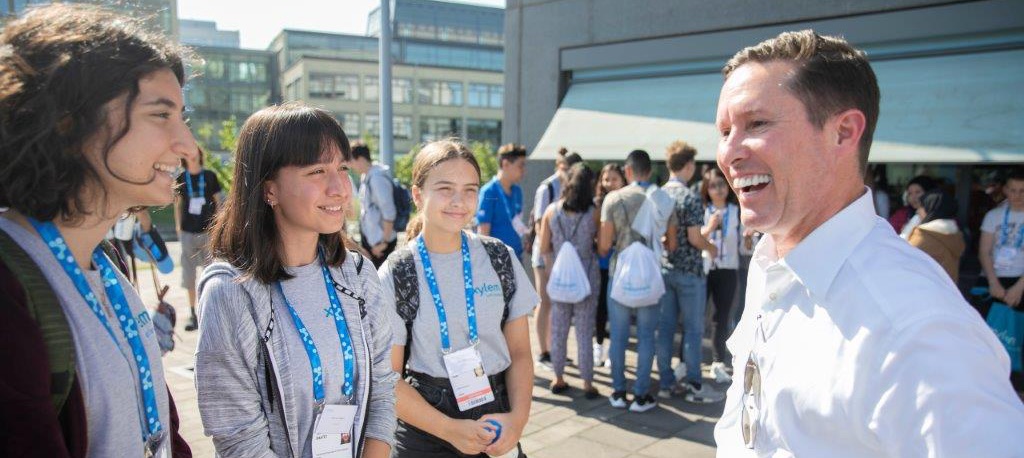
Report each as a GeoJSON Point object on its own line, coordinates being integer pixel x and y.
{"type": "Point", "coordinates": [536, 32]}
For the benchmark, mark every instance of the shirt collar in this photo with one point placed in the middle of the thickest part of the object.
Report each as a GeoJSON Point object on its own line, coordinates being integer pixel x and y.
{"type": "Point", "coordinates": [816, 260]}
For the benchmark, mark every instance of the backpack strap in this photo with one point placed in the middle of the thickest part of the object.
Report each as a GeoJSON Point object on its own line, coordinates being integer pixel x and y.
{"type": "Point", "coordinates": [407, 292]}
{"type": "Point", "coordinates": [359, 261]}
{"type": "Point", "coordinates": [44, 306]}
{"type": "Point", "coordinates": [501, 261]}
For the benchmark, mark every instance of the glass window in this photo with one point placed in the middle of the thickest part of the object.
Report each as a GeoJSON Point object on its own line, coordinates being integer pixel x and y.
{"type": "Point", "coordinates": [328, 86]}
{"type": "Point", "coordinates": [350, 124]}
{"type": "Point", "coordinates": [497, 96]}
{"type": "Point", "coordinates": [401, 89]}
{"type": "Point", "coordinates": [437, 128]}
{"type": "Point", "coordinates": [241, 103]}
{"type": "Point", "coordinates": [486, 95]}
{"type": "Point", "coordinates": [196, 98]}
{"type": "Point", "coordinates": [291, 91]}
{"type": "Point", "coordinates": [401, 126]}
{"type": "Point", "coordinates": [214, 69]}
{"type": "Point", "coordinates": [484, 130]}
{"type": "Point", "coordinates": [372, 125]}
{"type": "Point", "coordinates": [448, 93]}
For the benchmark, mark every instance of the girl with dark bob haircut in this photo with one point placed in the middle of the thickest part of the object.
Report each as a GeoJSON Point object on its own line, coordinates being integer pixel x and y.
{"type": "Point", "coordinates": [91, 127]}
{"type": "Point", "coordinates": [294, 344]}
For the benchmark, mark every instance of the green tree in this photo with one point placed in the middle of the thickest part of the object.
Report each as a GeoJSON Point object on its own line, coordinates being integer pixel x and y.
{"type": "Point", "coordinates": [227, 139]}
{"type": "Point", "coordinates": [482, 151]}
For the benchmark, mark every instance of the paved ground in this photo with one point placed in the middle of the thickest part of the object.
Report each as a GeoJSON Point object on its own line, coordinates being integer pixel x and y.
{"type": "Point", "coordinates": [565, 425]}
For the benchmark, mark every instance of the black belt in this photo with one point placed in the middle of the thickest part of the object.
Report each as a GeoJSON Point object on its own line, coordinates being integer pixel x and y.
{"type": "Point", "coordinates": [497, 380]}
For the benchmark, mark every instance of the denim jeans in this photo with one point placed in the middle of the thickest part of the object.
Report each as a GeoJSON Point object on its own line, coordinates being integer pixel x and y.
{"type": "Point", "coordinates": [646, 325]}
{"type": "Point", "coordinates": [686, 293]}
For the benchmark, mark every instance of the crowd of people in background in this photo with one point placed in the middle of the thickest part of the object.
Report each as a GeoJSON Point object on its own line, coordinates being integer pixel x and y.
{"type": "Point", "coordinates": [312, 345]}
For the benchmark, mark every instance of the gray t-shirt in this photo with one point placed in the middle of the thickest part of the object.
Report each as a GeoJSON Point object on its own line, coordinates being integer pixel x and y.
{"type": "Point", "coordinates": [307, 293]}
{"type": "Point", "coordinates": [426, 356]}
{"type": "Point", "coordinates": [105, 371]}
{"type": "Point", "coordinates": [377, 204]}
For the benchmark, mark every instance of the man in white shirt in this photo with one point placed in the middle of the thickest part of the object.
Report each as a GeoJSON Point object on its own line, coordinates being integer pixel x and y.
{"type": "Point", "coordinates": [852, 343]}
{"type": "Point", "coordinates": [1001, 251]}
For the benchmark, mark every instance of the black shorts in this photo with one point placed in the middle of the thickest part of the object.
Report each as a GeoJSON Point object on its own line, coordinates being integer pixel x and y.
{"type": "Point", "coordinates": [412, 442]}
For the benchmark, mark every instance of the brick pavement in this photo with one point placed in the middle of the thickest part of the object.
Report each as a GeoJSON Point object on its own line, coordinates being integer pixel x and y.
{"type": "Point", "coordinates": [566, 425]}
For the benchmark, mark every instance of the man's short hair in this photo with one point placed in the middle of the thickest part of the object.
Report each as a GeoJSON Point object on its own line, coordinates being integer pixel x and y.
{"type": "Point", "coordinates": [678, 154]}
{"type": "Point", "coordinates": [360, 150]}
{"type": "Point", "coordinates": [510, 152]}
{"type": "Point", "coordinates": [1015, 174]}
{"type": "Point", "coordinates": [640, 162]}
{"type": "Point", "coordinates": [831, 76]}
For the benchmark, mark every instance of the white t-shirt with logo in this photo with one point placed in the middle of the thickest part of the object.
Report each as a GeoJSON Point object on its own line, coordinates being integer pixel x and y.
{"type": "Point", "coordinates": [1007, 245]}
{"type": "Point", "coordinates": [426, 356]}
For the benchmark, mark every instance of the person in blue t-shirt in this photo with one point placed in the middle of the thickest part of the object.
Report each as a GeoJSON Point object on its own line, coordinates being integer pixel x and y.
{"type": "Point", "coordinates": [501, 200]}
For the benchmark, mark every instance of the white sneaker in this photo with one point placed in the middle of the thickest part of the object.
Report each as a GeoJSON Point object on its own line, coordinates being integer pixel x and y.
{"type": "Point", "coordinates": [665, 393]}
{"type": "Point", "coordinates": [719, 373]}
{"type": "Point", "coordinates": [702, 395]}
{"type": "Point", "coordinates": [679, 371]}
{"type": "Point", "coordinates": [618, 400]}
{"type": "Point", "coordinates": [643, 403]}
{"type": "Point", "coordinates": [597, 355]}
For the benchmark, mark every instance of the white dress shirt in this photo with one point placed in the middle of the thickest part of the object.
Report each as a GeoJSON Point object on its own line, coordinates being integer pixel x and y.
{"type": "Point", "coordinates": [866, 349]}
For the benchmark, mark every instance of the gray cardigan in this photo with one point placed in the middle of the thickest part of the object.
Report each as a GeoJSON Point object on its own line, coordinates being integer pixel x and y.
{"type": "Point", "coordinates": [231, 375]}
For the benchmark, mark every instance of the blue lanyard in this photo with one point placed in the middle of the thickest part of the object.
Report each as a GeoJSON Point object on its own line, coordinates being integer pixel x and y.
{"type": "Point", "coordinates": [153, 429]}
{"type": "Point", "coordinates": [505, 199]}
{"type": "Point", "coordinates": [347, 353]}
{"type": "Point", "coordinates": [1005, 239]}
{"type": "Point", "coordinates": [467, 278]}
{"type": "Point", "coordinates": [202, 184]}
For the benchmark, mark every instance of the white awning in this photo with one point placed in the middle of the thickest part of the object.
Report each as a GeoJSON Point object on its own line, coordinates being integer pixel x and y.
{"type": "Point", "coordinates": [948, 109]}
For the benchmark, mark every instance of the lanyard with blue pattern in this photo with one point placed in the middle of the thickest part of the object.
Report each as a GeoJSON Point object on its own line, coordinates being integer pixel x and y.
{"type": "Point", "coordinates": [202, 184]}
{"type": "Point", "coordinates": [467, 278]}
{"type": "Point", "coordinates": [1005, 239]}
{"type": "Point", "coordinates": [152, 430]}
{"type": "Point", "coordinates": [347, 353]}
{"type": "Point", "coordinates": [505, 199]}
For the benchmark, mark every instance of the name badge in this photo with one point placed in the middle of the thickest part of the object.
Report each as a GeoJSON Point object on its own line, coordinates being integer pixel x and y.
{"type": "Point", "coordinates": [519, 225]}
{"type": "Point", "coordinates": [1005, 255]}
{"type": "Point", "coordinates": [195, 205]}
{"type": "Point", "coordinates": [332, 432]}
{"type": "Point", "coordinates": [469, 381]}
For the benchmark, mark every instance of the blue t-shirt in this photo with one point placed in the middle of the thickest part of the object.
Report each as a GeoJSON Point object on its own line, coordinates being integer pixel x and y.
{"type": "Point", "coordinates": [498, 209]}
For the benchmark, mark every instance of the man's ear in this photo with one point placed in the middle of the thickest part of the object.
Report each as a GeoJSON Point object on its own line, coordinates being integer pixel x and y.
{"type": "Point", "coordinates": [849, 128]}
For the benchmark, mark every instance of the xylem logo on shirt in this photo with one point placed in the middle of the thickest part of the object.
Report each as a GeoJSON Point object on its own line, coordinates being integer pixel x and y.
{"type": "Point", "coordinates": [145, 322]}
{"type": "Point", "coordinates": [485, 290]}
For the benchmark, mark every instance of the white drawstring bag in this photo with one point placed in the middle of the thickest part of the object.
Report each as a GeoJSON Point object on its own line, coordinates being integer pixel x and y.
{"type": "Point", "coordinates": [637, 280]}
{"type": "Point", "coordinates": [568, 282]}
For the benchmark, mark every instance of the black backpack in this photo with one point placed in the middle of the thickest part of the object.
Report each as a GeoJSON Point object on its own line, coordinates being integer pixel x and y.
{"type": "Point", "coordinates": [403, 204]}
{"type": "Point", "coordinates": [407, 287]}
{"type": "Point", "coordinates": [402, 199]}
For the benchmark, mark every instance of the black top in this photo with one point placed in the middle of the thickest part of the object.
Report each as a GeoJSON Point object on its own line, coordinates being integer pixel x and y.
{"type": "Point", "coordinates": [197, 223]}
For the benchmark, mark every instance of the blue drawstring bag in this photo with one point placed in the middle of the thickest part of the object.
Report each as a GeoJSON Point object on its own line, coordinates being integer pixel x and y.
{"type": "Point", "coordinates": [1008, 325]}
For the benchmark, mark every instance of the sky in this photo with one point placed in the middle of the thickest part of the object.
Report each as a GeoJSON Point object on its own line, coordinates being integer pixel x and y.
{"type": "Point", "coordinates": [259, 21]}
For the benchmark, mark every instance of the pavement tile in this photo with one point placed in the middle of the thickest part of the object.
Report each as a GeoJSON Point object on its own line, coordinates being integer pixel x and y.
{"type": "Point", "coordinates": [566, 425]}
{"type": "Point", "coordinates": [579, 447]}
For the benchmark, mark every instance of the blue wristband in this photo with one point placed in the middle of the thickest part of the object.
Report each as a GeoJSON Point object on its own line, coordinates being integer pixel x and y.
{"type": "Point", "coordinates": [497, 429]}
